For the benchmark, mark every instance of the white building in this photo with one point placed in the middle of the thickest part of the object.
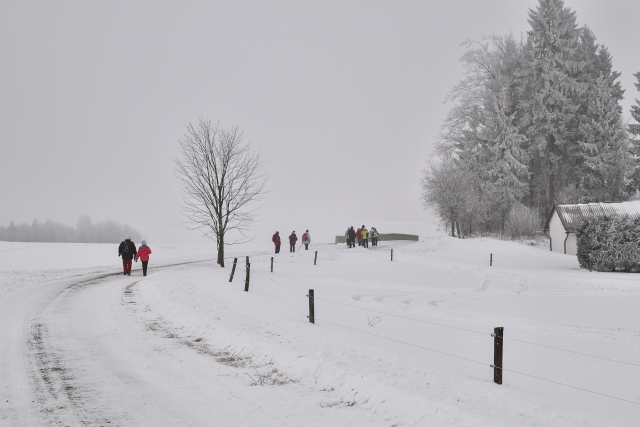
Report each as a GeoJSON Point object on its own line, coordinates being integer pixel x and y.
{"type": "Point", "coordinates": [563, 221]}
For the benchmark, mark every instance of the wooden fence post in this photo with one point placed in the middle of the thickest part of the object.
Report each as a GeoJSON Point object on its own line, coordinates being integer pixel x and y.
{"type": "Point", "coordinates": [246, 281]}
{"type": "Point", "coordinates": [233, 270]}
{"type": "Point", "coordinates": [490, 260]}
{"type": "Point", "coordinates": [312, 313]}
{"type": "Point", "coordinates": [391, 254]}
{"type": "Point", "coordinates": [272, 264]}
{"type": "Point", "coordinates": [498, 339]}
{"type": "Point", "coordinates": [315, 259]}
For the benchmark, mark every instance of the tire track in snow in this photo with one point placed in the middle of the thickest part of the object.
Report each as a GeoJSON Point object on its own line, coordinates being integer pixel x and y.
{"type": "Point", "coordinates": [61, 400]}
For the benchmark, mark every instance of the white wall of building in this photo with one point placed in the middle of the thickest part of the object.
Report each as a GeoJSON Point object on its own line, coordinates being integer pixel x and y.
{"type": "Point", "coordinates": [572, 244]}
{"type": "Point", "coordinates": [558, 236]}
{"type": "Point", "coordinates": [557, 233]}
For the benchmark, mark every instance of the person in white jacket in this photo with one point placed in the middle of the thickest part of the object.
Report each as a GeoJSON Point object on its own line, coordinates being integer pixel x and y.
{"type": "Point", "coordinates": [374, 236]}
{"type": "Point", "coordinates": [306, 240]}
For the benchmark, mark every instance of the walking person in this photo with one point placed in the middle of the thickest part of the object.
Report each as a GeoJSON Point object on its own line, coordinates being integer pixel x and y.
{"type": "Point", "coordinates": [374, 236]}
{"type": "Point", "coordinates": [143, 254]}
{"type": "Point", "coordinates": [127, 250]}
{"type": "Point", "coordinates": [352, 237]}
{"type": "Point", "coordinates": [359, 236]}
{"type": "Point", "coordinates": [365, 237]}
{"type": "Point", "coordinates": [306, 240]}
{"type": "Point", "coordinates": [292, 241]}
{"type": "Point", "coordinates": [276, 241]}
{"type": "Point", "coordinates": [347, 238]}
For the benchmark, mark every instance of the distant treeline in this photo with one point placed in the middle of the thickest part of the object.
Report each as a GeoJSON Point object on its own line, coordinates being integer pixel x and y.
{"type": "Point", "coordinates": [85, 232]}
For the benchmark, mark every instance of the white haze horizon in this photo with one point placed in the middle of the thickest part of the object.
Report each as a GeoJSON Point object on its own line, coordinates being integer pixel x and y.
{"type": "Point", "coordinates": [343, 101]}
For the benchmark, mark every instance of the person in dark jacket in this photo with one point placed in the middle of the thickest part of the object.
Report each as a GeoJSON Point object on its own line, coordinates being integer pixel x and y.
{"type": "Point", "coordinates": [292, 242]}
{"type": "Point", "coordinates": [127, 250]}
{"type": "Point", "coordinates": [276, 241]}
{"type": "Point", "coordinates": [352, 237]}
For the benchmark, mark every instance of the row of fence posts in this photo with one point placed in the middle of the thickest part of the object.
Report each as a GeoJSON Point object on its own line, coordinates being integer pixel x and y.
{"type": "Point", "coordinates": [498, 333]}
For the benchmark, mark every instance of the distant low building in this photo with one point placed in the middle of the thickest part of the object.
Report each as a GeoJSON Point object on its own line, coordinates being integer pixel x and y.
{"type": "Point", "coordinates": [564, 220]}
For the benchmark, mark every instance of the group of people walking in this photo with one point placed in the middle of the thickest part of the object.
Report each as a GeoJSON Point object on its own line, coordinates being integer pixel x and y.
{"type": "Point", "coordinates": [293, 239]}
{"type": "Point", "coordinates": [362, 236]}
{"type": "Point", "coordinates": [127, 250]}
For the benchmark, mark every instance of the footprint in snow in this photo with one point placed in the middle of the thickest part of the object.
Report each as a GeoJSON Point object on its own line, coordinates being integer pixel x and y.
{"type": "Point", "coordinates": [485, 284]}
{"type": "Point", "coordinates": [524, 287]}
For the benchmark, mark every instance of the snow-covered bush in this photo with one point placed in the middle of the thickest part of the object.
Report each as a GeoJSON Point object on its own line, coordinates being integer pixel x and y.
{"type": "Point", "coordinates": [523, 222]}
{"type": "Point", "coordinates": [610, 244]}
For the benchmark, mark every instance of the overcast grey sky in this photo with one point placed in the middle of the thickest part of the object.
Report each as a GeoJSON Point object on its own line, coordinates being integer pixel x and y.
{"type": "Point", "coordinates": [342, 98]}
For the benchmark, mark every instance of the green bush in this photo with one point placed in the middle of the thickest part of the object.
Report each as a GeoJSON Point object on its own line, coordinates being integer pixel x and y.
{"type": "Point", "coordinates": [609, 244]}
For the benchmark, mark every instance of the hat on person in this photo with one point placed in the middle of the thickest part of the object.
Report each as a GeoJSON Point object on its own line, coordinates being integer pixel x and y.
{"type": "Point", "coordinates": [127, 237]}
{"type": "Point", "coordinates": [144, 242]}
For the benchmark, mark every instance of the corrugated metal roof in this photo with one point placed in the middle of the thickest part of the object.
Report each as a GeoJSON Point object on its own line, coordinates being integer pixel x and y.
{"type": "Point", "coordinates": [573, 215]}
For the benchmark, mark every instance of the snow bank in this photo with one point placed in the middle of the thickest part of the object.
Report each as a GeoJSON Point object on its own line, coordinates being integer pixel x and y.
{"type": "Point", "coordinates": [409, 341]}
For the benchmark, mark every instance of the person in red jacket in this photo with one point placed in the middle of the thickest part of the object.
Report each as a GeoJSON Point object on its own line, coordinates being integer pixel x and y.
{"type": "Point", "coordinates": [276, 241]}
{"type": "Point", "coordinates": [292, 242]}
{"type": "Point", "coordinates": [359, 235]}
{"type": "Point", "coordinates": [143, 253]}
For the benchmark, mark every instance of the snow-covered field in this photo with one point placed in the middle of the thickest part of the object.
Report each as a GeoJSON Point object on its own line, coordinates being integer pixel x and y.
{"type": "Point", "coordinates": [399, 343]}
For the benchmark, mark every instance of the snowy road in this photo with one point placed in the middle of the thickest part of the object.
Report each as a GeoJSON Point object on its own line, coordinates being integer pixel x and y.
{"type": "Point", "coordinates": [394, 344]}
{"type": "Point", "coordinates": [82, 352]}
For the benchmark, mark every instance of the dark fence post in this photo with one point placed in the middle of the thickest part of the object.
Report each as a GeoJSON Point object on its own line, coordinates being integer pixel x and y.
{"type": "Point", "coordinates": [490, 260]}
{"type": "Point", "coordinates": [498, 339]}
{"type": "Point", "coordinates": [391, 254]}
{"type": "Point", "coordinates": [272, 264]}
{"type": "Point", "coordinates": [246, 281]}
{"type": "Point", "coordinates": [233, 270]}
{"type": "Point", "coordinates": [315, 259]}
{"type": "Point", "coordinates": [312, 314]}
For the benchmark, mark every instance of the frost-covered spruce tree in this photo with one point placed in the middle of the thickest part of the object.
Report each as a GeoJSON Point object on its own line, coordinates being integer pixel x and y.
{"type": "Point", "coordinates": [604, 150]}
{"type": "Point", "coordinates": [635, 109]}
{"type": "Point", "coordinates": [507, 163]}
{"type": "Point", "coordinates": [552, 101]}
{"type": "Point", "coordinates": [634, 130]}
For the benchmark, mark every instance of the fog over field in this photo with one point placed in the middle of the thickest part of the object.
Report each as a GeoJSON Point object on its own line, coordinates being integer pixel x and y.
{"type": "Point", "coordinates": [343, 101]}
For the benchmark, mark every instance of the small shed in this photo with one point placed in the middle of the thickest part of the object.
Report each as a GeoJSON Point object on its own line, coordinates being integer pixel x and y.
{"type": "Point", "coordinates": [564, 220]}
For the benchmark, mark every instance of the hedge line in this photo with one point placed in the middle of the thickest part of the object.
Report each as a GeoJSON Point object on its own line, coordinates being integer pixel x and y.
{"type": "Point", "coordinates": [609, 244]}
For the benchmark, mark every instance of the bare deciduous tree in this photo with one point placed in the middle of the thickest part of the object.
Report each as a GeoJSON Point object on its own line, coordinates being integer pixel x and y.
{"type": "Point", "coordinates": [449, 190]}
{"type": "Point", "coordinates": [220, 177]}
